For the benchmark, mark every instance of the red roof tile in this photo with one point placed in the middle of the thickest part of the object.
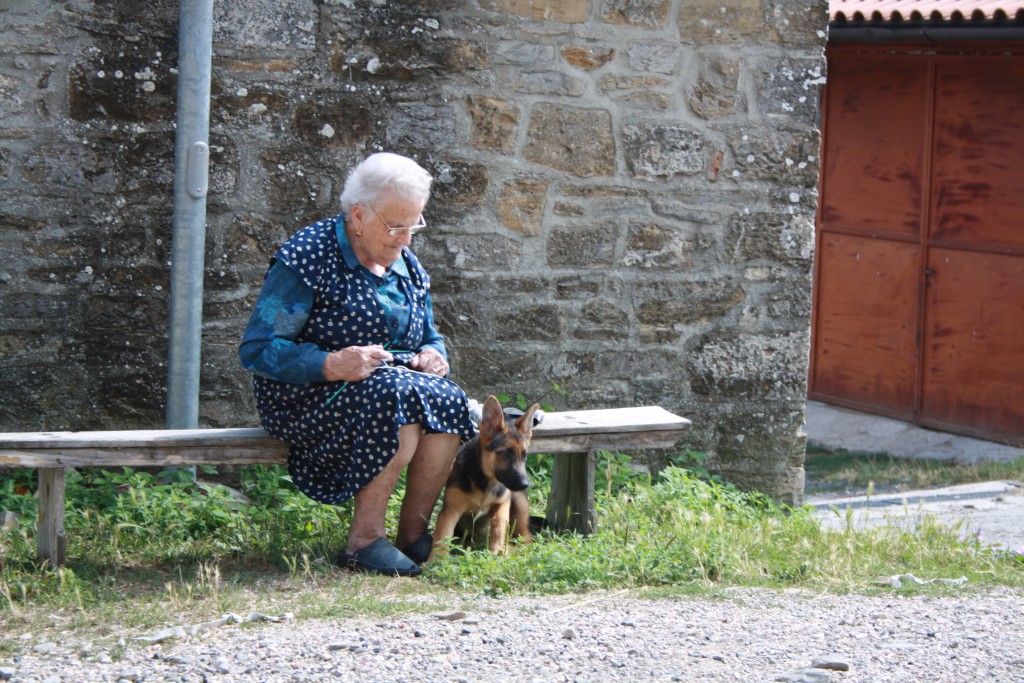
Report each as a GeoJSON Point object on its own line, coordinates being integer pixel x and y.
{"type": "Point", "coordinates": [925, 10]}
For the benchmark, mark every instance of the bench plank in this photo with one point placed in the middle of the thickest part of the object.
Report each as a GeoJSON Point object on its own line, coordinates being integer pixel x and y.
{"type": "Point", "coordinates": [604, 421]}
{"type": "Point", "coordinates": [642, 419]}
{"type": "Point", "coordinates": [566, 432]}
{"type": "Point", "coordinates": [264, 451]}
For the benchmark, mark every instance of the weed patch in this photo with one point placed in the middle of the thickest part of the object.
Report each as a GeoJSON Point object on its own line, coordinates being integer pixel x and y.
{"type": "Point", "coordinates": [143, 551]}
{"type": "Point", "coordinates": [844, 471]}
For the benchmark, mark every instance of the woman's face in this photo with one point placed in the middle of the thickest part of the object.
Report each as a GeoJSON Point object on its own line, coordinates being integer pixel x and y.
{"type": "Point", "coordinates": [372, 242]}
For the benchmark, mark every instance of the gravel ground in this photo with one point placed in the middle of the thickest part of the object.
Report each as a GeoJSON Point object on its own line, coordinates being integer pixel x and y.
{"type": "Point", "coordinates": [747, 635]}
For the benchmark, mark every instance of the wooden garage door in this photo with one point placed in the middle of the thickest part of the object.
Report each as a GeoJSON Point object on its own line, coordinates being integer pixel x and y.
{"type": "Point", "coordinates": [919, 271]}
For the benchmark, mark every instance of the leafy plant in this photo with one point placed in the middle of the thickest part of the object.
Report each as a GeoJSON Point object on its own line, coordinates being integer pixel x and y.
{"type": "Point", "coordinates": [618, 471]}
{"type": "Point", "coordinates": [522, 401]}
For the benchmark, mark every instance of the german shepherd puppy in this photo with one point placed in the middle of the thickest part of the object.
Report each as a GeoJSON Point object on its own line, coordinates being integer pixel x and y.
{"type": "Point", "coordinates": [487, 486]}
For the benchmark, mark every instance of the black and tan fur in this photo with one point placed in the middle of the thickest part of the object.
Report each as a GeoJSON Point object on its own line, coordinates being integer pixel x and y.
{"type": "Point", "coordinates": [486, 490]}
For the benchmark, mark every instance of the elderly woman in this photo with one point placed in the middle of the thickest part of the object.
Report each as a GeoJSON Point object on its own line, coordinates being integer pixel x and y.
{"type": "Point", "coordinates": [349, 369]}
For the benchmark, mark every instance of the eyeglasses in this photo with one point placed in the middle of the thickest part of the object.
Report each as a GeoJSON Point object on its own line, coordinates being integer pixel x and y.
{"type": "Point", "coordinates": [411, 229]}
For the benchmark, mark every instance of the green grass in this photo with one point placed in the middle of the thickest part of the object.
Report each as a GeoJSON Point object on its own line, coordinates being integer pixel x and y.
{"type": "Point", "coordinates": [841, 470]}
{"type": "Point", "coordinates": [144, 554]}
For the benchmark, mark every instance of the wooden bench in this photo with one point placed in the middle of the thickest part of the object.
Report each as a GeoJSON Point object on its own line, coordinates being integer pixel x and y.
{"type": "Point", "coordinates": [575, 436]}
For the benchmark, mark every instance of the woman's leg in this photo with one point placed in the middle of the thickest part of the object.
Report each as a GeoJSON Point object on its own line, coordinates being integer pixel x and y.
{"type": "Point", "coordinates": [371, 503]}
{"type": "Point", "coordinates": [431, 464]}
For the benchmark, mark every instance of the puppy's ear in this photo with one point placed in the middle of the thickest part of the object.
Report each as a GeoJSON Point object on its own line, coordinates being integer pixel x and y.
{"type": "Point", "coordinates": [493, 420]}
{"type": "Point", "coordinates": [524, 424]}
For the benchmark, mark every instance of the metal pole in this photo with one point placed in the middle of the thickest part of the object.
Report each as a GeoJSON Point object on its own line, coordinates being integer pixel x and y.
{"type": "Point", "coordinates": [191, 166]}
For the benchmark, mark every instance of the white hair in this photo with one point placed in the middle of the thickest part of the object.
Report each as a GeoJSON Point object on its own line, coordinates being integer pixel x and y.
{"type": "Point", "coordinates": [385, 173]}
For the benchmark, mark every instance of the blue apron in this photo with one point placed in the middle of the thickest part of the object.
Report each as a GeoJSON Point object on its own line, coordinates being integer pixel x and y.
{"type": "Point", "coordinates": [341, 438]}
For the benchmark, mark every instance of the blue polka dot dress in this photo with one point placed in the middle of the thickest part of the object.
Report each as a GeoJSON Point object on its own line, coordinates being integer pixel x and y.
{"type": "Point", "coordinates": [342, 435]}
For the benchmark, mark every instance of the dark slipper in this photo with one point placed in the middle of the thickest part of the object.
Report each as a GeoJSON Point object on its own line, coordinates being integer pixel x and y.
{"type": "Point", "coordinates": [419, 550]}
{"type": "Point", "coordinates": [380, 557]}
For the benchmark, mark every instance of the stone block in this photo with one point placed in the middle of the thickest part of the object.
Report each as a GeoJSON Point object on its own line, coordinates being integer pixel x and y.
{"type": "Point", "coordinates": [597, 191]}
{"type": "Point", "coordinates": [722, 22]}
{"type": "Point", "coordinates": [133, 392]}
{"type": "Point", "coordinates": [577, 141]}
{"type": "Point", "coordinates": [788, 88]}
{"type": "Point", "coordinates": [333, 120]}
{"type": "Point", "coordinates": [255, 65]}
{"type": "Point", "coordinates": [582, 247]}
{"type": "Point", "coordinates": [707, 212]}
{"type": "Point", "coordinates": [462, 55]}
{"type": "Point", "coordinates": [134, 82]}
{"type": "Point", "coordinates": [789, 157]}
{"type": "Point", "coordinates": [520, 286]}
{"type": "Point", "coordinates": [457, 318]}
{"type": "Point", "coordinates": [69, 166]}
{"type": "Point", "coordinates": [458, 186]}
{"type": "Point", "coordinates": [398, 41]}
{"type": "Point", "coordinates": [576, 287]}
{"type": "Point", "coordinates": [495, 123]}
{"type": "Point", "coordinates": [124, 21]}
{"type": "Point", "coordinates": [548, 83]}
{"type": "Point", "coordinates": [35, 311]}
{"type": "Point", "coordinates": [641, 13]}
{"type": "Point", "coordinates": [793, 303]}
{"type": "Point", "coordinates": [520, 206]}
{"type": "Point", "coordinates": [418, 125]}
{"type": "Point", "coordinates": [406, 58]}
{"type": "Point", "coordinates": [539, 322]}
{"type": "Point", "coordinates": [526, 54]}
{"type": "Point", "coordinates": [281, 25]}
{"type": "Point", "coordinates": [601, 320]}
{"type": "Point", "coordinates": [799, 23]}
{"type": "Point", "coordinates": [613, 82]}
{"type": "Point", "coordinates": [6, 162]}
{"type": "Point", "coordinates": [12, 345]}
{"type": "Point", "coordinates": [26, 386]}
{"type": "Point", "coordinates": [587, 57]}
{"type": "Point", "coordinates": [497, 368]}
{"type": "Point", "coordinates": [717, 91]}
{"type": "Point", "coordinates": [649, 245]}
{"type": "Point", "coordinates": [12, 101]}
{"type": "Point", "coordinates": [642, 92]}
{"type": "Point", "coordinates": [621, 361]}
{"type": "Point", "coordinates": [749, 366]}
{"type": "Point", "coordinates": [645, 101]}
{"type": "Point", "coordinates": [249, 240]}
{"type": "Point", "coordinates": [476, 253]}
{"type": "Point", "coordinates": [565, 11]}
{"type": "Point", "coordinates": [654, 57]}
{"type": "Point", "coordinates": [770, 235]}
{"type": "Point", "coordinates": [290, 175]}
{"type": "Point", "coordinates": [664, 309]}
{"type": "Point", "coordinates": [756, 446]}
{"type": "Point", "coordinates": [567, 209]}
{"type": "Point", "coordinates": [146, 168]}
{"type": "Point", "coordinates": [657, 150]}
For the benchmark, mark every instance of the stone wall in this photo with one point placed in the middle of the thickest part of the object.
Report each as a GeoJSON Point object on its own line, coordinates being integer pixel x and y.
{"type": "Point", "coordinates": [623, 205]}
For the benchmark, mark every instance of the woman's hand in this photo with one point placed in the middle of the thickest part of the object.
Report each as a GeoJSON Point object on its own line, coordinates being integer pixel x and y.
{"type": "Point", "coordinates": [354, 363]}
{"type": "Point", "coordinates": [429, 360]}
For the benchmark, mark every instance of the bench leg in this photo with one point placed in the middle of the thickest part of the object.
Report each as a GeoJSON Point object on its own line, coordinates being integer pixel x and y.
{"type": "Point", "coordinates": [50, 540]}
{"type": "Point", "coordinates": [571, 504]}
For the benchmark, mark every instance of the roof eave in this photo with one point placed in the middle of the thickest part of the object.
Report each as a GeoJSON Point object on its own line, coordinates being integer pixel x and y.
{"type": "Point", "coordinates": [924, 31]}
